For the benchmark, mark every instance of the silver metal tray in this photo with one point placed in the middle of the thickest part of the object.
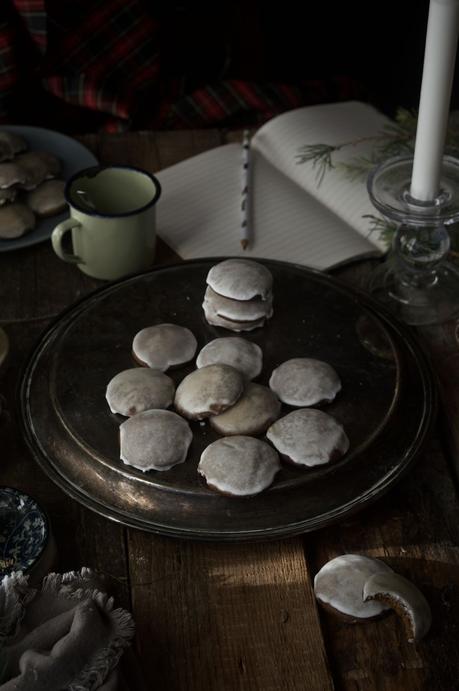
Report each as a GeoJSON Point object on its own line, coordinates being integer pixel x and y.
{"type": "Point", "coordinates": [386, 404]}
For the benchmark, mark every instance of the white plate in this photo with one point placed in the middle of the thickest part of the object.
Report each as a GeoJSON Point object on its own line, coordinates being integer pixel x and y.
{"type": "Point", "coordinates": [73, 157]}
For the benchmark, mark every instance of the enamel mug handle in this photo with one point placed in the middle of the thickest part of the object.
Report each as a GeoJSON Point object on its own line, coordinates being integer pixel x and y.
{"type": "Point", "coordinates": [56, 239]}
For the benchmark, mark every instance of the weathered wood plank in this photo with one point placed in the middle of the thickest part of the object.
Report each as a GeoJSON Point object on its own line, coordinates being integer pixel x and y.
{"type": "Point", "coordinates": [226, 617]}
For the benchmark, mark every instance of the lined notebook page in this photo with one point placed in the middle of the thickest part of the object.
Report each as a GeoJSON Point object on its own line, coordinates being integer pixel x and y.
{"type": "Point", "coordinates": [280, 139]}
{"type": "Point", "coordinates": [199, 213]}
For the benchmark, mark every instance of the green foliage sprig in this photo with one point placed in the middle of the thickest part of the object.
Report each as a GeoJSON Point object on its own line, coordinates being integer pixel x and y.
{"type": "Point", "coordinates": [395, 139]}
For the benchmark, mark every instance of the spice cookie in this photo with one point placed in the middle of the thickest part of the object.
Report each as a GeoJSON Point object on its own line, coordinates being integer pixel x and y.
{"type": "Point", "coordinates": [240, 279]}
{"type": "Point", "coordinates": [243, 355]}
{"type": "Point", "coordinates": [339, 586]}
{"type": "Point", "coordinates": [11, 175]}
{"type": "Point", "coordinates": [140, 388]}
{"type": "Point", "coordinates": [213, 319]}
{"type": "Point", "coordinates": [257, 408]}
{"type": "Point", "coordinates": [239, 466]}
{"type": "Point", "coordinates": [37, 166]}
{"type": "Point", "coordinates": [238, 310]}
{"type": "Point", "coordinates": [304, 382]}
{"type": "Point", "coordinates": [48, 198]}
{"type": "Point", "coordinates": [208, 391]}
{"type": "Point", "coordinates": [154, 440]}
{"type": "Point", "coordinates": [10, 145]}
{"type": "Point", "coordinates": [15, 220]}
{"type": "Point", "coordinates": [163, 346]}
{"type": "Point", "coordinates": [8, 195]}
{"type": "Point", "coordinates": [308, 437]}
{"type": "Point", "coordinates": [400, 594]}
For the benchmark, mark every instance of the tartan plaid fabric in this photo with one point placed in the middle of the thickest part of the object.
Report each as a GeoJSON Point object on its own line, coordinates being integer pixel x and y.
{"type": "Point", "coordinates": [103, 55]}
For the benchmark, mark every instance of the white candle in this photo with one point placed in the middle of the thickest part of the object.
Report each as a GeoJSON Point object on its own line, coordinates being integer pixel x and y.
{"type": "Point", "coordinates": [437, 79]}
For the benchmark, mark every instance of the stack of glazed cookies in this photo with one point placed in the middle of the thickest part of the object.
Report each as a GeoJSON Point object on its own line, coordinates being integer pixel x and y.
{"type": "Point", "coordinates": [222, 393]}
{"type": "Point", "coordinates": [29, 186]}
{"type": "Point", "coordinates": [239, 295]}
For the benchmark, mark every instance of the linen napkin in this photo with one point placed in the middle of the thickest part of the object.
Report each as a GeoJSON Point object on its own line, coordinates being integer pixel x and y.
{"type": "Point", "coordinates": [65, 636]}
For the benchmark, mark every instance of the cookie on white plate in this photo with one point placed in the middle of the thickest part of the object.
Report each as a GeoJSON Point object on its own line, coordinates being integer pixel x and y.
{"type": "Point", "coordinates": [37, 166]}
{"type": "Point", "coordinates": [304, 382]}
{"type": "Point", "coordinates": [15, 220]}
{"type": "Point", "coordinates": [154, 440]}
{"type": "Point", "coordinates": [239, 466]}
{"type": "Point", "coordinates": [308, 437]}
{"type": "Point", "coordinates": [10, 145]}
{"type": "Point", "coordinates": [243, 355]}
{"type": "Point", "coordinates": [48, 198]}
{"type": "Point", "coordinates": [163, 346]}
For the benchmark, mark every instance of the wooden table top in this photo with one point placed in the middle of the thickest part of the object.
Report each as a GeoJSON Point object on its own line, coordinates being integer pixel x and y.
{"type": "Point", "coordinates": [228, 616]}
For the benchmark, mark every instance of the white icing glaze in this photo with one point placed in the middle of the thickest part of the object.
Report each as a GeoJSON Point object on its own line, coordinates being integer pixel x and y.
{"type": "Point", "coordinates": [304, 382]}
{"type": "Point", "coordinates": [11, 174]}
{"type": "Point", "coordinates": [308, 437]}
{"type": "Point", "coordinates": [238, 310]}
{"type": "Point", "coordinates": [239, 465]}
{"type": "Point", "coordinates": [15, 220]}
{"type": "Point", "coordinates": [48, 198]}
{"type": "Point", "coordinates": [240, 279]}
{"type": "Point", "coordinates": [340, 583]}
{"type": "Point", "coordinates": [164, 345]}
{"type": "Point", "coordinates": [11, 144]}
{"type": "Point", "coordinates": [154, 440]}
{"type": "Point", "coordinates": [208, 391]}
{"type": "Point", "coordinates": [257, 408]}
{"type": "Point", "coordinates": [213, 318]}
{"type": "Point", "coordinates": [135, 390]}
{"type": "Point", "coordinates": [37, 166]}
{"type": "Point", "coordinates": [394, 588]}
{"type": "Point", "coordinates": [243, 355]}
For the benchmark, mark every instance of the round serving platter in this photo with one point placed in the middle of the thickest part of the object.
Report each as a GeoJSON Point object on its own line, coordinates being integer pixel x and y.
{"type": "Point", "coordinates": [386, 404]}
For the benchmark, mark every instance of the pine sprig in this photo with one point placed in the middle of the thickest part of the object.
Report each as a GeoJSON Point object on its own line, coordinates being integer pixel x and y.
{"type": "Point", "coordinates": [395, 139]}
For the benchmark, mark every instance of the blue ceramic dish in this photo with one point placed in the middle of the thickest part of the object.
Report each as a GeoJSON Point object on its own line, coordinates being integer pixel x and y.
{"type": "Point", "coordinates": [24, 531]}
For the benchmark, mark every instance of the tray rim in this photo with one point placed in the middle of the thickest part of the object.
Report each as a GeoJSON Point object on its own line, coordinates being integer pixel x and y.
{"type": "Point", "coordinates": [406, 334]}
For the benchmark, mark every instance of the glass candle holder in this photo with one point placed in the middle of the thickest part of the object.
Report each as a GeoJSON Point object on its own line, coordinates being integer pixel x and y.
{"type": "Point", "coordinates": [416, 282]}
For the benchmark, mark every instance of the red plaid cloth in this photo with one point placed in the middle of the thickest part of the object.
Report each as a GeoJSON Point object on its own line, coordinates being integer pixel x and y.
{"type": "Point", "coordinates": [104, 55]}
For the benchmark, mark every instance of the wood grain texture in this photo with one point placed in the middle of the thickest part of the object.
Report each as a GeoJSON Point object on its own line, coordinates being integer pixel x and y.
{"type": "Point", "coordinates": [231, 617]}
{"type": "Point", "coordinates": [243, 617]}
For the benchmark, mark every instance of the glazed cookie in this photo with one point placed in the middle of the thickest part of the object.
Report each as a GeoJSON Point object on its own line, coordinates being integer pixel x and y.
{"type": "Point", "coordinates": [15, 220]}
{"type": "Point", "coordinates": [240, 279]}
{"type": "Point", "coordinates": [10, 145]}
{"type": "Point", "coordinates": [208, 391]}
{"type": "Point", "coordinates": [11, 175]}
{"type": "Point", "coordinates": [154, 440]}
{"type": "Point", "coordinates": [213, 319]}
{"type": "Point", "coordinates": [400, 594]}
{"type": "Point", "coordinates": [135, 390]}
{"type": "Point", "coordinates": [239, 466]}
{"type": "Point", "coordinates": [37, 166]}
{"type": "Point", "coordinates": [308, 437]}
{"type": "Point", "coordinates": [48, 198]}
{"type": "Point", "coordinates": [237, 352]}
{"type": "Point", "coordinates": [305, 381]}
{"type": "Point", "coordinates": [257, 408]}
{"type": "Point", "coordinates": [8, 195]}
{"type": "Point", "coordinates": [163, 346]}
{"type": "Point", "coordinates": [238, 310]}
{"type": "Point", "coordinates": [339, 586]}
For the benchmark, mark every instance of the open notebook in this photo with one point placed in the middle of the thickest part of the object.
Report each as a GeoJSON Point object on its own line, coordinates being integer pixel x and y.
{"type": "Point", "coordinates": [293, 218]}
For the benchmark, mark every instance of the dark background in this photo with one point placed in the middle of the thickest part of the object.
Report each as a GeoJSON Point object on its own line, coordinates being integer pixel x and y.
{"type": "Point", "coordinates": [376, 49]}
